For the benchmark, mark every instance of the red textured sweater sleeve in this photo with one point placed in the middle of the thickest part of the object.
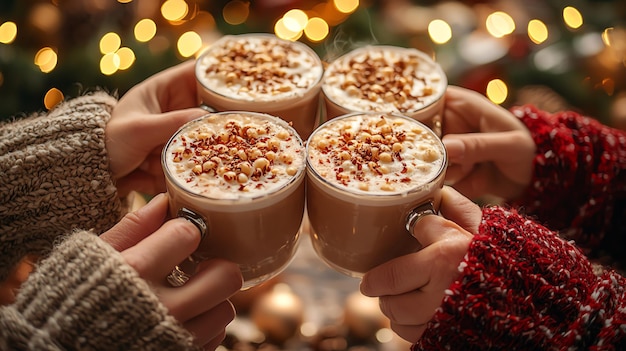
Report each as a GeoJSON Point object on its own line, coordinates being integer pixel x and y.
{"type": "Point", "coordinates": [579, 179]}
{"type": "Point", "coordinates": [522, 287]}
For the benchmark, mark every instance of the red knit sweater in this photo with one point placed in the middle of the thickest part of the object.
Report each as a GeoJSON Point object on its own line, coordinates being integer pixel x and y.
{"type": "Point", "coordinates": [523, 287]}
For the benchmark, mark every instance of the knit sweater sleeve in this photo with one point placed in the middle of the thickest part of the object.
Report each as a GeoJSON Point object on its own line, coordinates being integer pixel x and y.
{"type": "Point", "coordinates": [522, 287]}
{"type": "Point", "coordinates": [84, 297]}
{"type": "Point", "coordinates": [54, 177]}
{"type": "Point", "coordinates": [579, 179]}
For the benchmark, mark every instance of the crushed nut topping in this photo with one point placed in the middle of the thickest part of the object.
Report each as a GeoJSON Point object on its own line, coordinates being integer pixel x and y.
{"type": "Point", "coordinates": [226, 152]}
{"type": "Point", "coordinates": [374, 152]}
{"type": "Point", "coordinates": [384, 79]}
{"type": "Point", "coordinates": [260, 67]}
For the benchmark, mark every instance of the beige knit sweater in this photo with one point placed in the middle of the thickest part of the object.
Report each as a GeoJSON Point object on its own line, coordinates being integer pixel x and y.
{"type": "Point", "coordinates": [55, 192]}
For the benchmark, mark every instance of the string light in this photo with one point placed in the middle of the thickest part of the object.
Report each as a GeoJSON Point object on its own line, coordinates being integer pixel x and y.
{"type": "Point", "coordinates": [109, 63]}
{"type": "Point", "coordinates": [500, 24]}
{"type": "Point", "coordinates": [110, 42]}
{"type": "Point", "coordinates": [497, 91]}
{"type": "Point", "coordinates": [572, 17]}
{"type": "Point", "coordinates": [236, 12]}
{"type": "Point", "coordinates": [316, 29]}
{"type": "Point", "coordinates": [46, 59]}
{"type": "Point", "coordinates": [537, 31]}
{"type": "Point", "coordinates": [8, 32]}
{"type": "Point", "coordinates": [440, 31]}
{"type": "Point", "coordinates": [127, 58]}
{"type": "Point", "coordinates": [52, 98]}
{"type": "Point", "coordinates": [174, 10]}
{"type": "Point", "coordinates": [145, 30]}
{"type": "Point", "coordinates": [189, 43]}
{"type": "Point", "coordinates": [346, 6]}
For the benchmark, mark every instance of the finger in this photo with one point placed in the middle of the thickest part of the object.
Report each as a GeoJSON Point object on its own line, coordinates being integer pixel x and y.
{"type": "Point", "coordinates": [398, 276]}
{"type": "Point", "coordinates": [137, 225]}
{"type": "Point", "coordinates": [475, 148]}
{"type": "Point", "coordinates": [215, 343]}
{"type": "Point", "coordinates": [156, 255]}
{"type": "Point", "coordinates": [142, 182]}
{"type": "Point", "coordinates": [216, 281]}
{"type": "Point", "coordinates": [209, 326]}
{"type": "Point", "coordinates": [398, 307]}
{"type": "Point", "coordinates": [459, 209]}
{"type": "Point", "coordinates": [486, 179]}
{"type": "Point", "coordinates": [410, 333]}
{"type": "Point", "coordinates": [155, 131]}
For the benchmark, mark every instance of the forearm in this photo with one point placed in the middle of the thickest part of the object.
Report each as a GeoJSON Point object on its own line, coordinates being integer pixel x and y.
{"type": "Point", "coordinates": [54, 177]}
{"type": "Point", "coordinates": [522, 287]}
{"type": "Point", "coordinates": [84, 296]}
{"type": "Point", "coordinates": [579, 179]}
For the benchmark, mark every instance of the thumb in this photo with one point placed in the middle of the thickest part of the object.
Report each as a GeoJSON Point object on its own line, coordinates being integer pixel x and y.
{"type": "Point", "coordinates": [459, 209]}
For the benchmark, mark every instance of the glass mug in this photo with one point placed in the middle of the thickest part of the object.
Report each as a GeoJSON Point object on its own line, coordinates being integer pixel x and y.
{"type": "Point", "coordinates": [370, 176]}
{"type": "Point", "coordinates": [386, 78]}
{"type": "Point", "coordinates": [239, 176]}
{"type": "Point", "coordinates": [262, 73]}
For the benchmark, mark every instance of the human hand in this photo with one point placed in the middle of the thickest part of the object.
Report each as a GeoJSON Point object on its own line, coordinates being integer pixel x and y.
{"type": "Point", "coordinates": [410, 288]}
{"type": "Point", "coordinates": [489, 150]}
{"type": "Point", "coordinates": [153, 248]}
{"type": "Point", "coordinates": [143, 121]}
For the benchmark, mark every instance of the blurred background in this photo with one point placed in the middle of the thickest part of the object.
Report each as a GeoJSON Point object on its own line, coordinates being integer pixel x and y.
{"type": "Point", "coordinates": [555, 53]}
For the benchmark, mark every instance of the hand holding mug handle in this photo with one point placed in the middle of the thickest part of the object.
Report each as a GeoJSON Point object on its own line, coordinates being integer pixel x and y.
{"type": "Point", "coordinates": [411, 287]}
{"type": "Point", "coordinates": [183, 271]}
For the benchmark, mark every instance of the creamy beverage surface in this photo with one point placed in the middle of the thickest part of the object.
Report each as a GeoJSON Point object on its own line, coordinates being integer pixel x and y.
{"type": "Point", "coordinates": [375, 153]}
{"type": "Point", "coordinates": [384, 79]}
{"type": "Point", "coordinates": [235, 155]}
{"type": "Point", "coordinates": [259, 68]}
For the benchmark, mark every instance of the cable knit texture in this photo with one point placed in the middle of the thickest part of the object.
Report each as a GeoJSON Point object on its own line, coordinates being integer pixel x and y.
{"type": "Point", "coordinates": [84, 297]}
{"type": "Point", "coordinates": [55, 185]}
{"type": "Point", "coordinates": [525, 287]}
{"type": "Point", "coordinates": [54, 177]}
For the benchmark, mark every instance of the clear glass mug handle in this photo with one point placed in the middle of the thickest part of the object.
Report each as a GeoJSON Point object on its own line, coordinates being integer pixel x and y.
{"type": "Point", "coordinates": [183, 272]}
{"type": "Point", "coordinates": [419, 212]}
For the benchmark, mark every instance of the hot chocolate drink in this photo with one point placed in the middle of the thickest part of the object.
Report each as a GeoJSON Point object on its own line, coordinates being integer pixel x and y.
{"type": "Point", "coordinates": [243, 174]}
{"type": "Point", "coordinates": [367, 172]}
{"type": "Point", "coordinates": [262, 73]}
{"type": "Point", "coordinates": [386, 79]}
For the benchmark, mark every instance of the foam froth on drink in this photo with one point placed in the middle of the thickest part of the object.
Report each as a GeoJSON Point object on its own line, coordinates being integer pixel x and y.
{"type": "Point", "coordinates": [384, 79]}
{"type": "Point", "coordinates": [259, 68]}
{"type": "Point", "coordinates": [235, 155]}
{"type": "Point", "coordinates": [375, 153]}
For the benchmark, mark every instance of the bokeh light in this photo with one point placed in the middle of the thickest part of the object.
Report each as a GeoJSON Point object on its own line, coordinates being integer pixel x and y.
{"type": "Point", "coordinates": [236, 12]}
{"type": "Point", "coordinates": [440, 31]}
{"type": "Point", "coordinates": [189, 43]}
{"type": "Point", "coordinates": [174, 10]}
{"type": "Point", "coordinates": [281, 31]}
{"type": "Point", "coordinates": [127, 57]}
{"type": "Point", "coordinates": [295, 20]}
{"type": "Point", "coordinates": [109, 63]}
{"type": "Point", "coordinates": [45, 17]}
{"type": "Point", "coordinates": [46, 58]}
{"type": "Point", "coordinates": [500, 24]}
{"type": "Point", "coordinates": [316, 29]}
{"type": "Point", "coordinates": [497, 91]}
{"type": "Point", "coordinates": [110, 42]}
{"type": "Point", "coordinates": [8, 32]}
{"type": "Point", "coordinates": [145, 30]}
{"type": "Point", "coordinates": [572, 17]}
{"type": "Point", "coordinates": [537, 31]}
{"type": "Point", "coordinates": [52, 98]}
{"type": "Point", "coordinates": [346, 6]}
